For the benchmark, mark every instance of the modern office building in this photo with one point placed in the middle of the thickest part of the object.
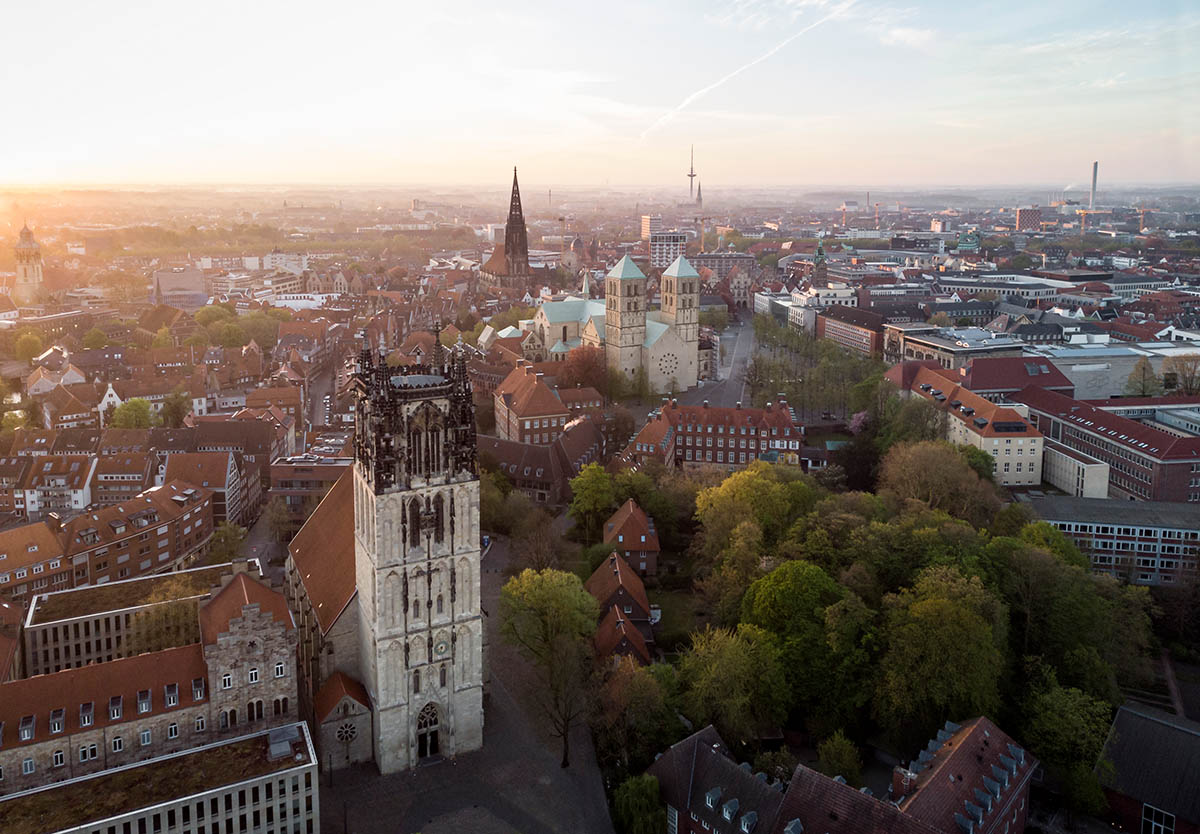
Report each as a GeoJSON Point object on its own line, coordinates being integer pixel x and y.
{"type": "Point", "coordinates": [665, 247]}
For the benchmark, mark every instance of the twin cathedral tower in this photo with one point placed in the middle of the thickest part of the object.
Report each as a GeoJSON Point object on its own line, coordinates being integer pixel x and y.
{"type": "Point", "coordinates": [417, 558]}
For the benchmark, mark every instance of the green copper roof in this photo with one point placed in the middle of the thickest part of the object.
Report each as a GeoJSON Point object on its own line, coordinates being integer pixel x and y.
{"type": "Point", "coordinates": [680, 268]}
{"type": "Point", "coordinates": [625, 270]}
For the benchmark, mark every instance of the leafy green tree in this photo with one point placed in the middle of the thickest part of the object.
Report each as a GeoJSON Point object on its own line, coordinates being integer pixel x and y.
{"type": "Point", "coordinates": [226, 543]}
{"type": "Point", "coordinates": [549, 618]}
{"type": "Point", "coordinates": [28, 345]}
{"type": "Point", "coordinates": [279, 520]}
{"type": "Point", "coordinates": [95, 339]}
{"type": "Point", "coordinates": [838, 756]}
{"type": "Point", "coordinates": [931, 472]}
{"type": "Point", "coordinates": [11, 421]}
{"type": "Point", "coordinates": [638, 808]}
{"type": "Point", "coordinates": [738, 565]}
{"type": "Point", "coordinates": [1045, 535]}
{"type": "Point", "coordinates": [733, 680]}
{"type": "Point", "coordinates": [162, 338]}
{"type": "Point", "coordinates": [231, 335]}
{"type": "Point", "coordinates": [636, 716]}
{"type": "Point", "coordinates": [980, 461]}
{"type": "Point", "coordinates": [779, 765]}
{"type": "Point", "coordinates": [593, 499]}
{"type": "Point", "coordinates": [1143, 381]}
{"type": "Point", "coordinates": [207, 316]}
{"type": "Point", "coordinates": [943, 655]}
{"type": "Point", "coordinates": [176, 407]}
{"type": "Point", "coordinates": [1066, 729]}
{"type": "Point", "coordinates": [133, 414]}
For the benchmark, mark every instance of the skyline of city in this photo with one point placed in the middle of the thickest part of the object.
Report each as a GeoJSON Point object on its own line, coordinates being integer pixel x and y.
{"type": "Point", "coordinates": [781, 92]}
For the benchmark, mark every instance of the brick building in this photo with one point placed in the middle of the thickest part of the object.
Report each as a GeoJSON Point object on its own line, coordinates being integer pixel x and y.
{"type": "Point", "coordinates": [303, 480]}
{"type": "Point", "coordinates": [857, 330]}
{"type": "Point", "coordinates": [527, 409]}
{"type": "Point", "coordinates": [1145, 463]}
{"type": "Point", "coordinates": [632, 533]}
{"type": "Point", "coordinates": [100, 716]}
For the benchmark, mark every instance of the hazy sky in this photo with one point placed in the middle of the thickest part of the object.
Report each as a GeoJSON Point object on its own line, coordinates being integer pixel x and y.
{"type": "Point", "coordinates": [868, 92]}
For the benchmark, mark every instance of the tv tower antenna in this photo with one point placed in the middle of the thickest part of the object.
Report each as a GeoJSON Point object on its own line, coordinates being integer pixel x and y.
{"type": "Point", "coordinates": [692, 175]}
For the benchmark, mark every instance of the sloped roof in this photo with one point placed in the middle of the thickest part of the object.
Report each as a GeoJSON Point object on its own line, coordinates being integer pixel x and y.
{"type": "Point", "coordinates": [626, 270]}
{"type": "Point", "coordinates": [323, 552]}
{"type": "Point", "coordinates": [206, 469]}
{"type": "Point", "coordinates": [527, 395]}
{"type": "Point", "coordinates": [631, 522]}
{"type": "Point", "coordinates": [1156, 759]}
{"type": "Point", "coordinates": [831, 807]}
{"type": "Point", "coordinates": [981, 409]}
{"type": "Point", "coordinates": [614, 629]}
{"type": "Point", "coordinates": [680, 268]}
{"type": "Point", "coordinates": [612, 574]}
{"type": "Point", "coordinates": [331, 693]}
{"type": "Point", "coordinates": [226, 605]}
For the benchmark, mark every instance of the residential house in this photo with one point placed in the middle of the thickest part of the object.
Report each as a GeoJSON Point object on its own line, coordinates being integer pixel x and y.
{"type": "Point", "coordinates": [218, 472]}
{"type": "Point", "coordinates": [527, 409]}
{"type": "Point", "coordinates": [1155, 768]}
{"type": "Point", "coordinates": [632, 532]}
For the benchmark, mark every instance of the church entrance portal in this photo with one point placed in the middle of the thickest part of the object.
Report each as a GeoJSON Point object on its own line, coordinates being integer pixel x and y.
{"type": "Point", "coordinates": [427, 732]}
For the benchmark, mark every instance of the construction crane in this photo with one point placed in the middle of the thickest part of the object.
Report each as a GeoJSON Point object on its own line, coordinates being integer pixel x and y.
{"type": "Point", "coordinates": [700, 221]}
{"type": "Point", "coordinates": [1142, 212]}
{"type": "Point", "coordinates": [877, 215]}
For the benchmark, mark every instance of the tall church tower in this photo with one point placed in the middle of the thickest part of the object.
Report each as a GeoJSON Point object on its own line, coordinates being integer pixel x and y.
{"type": "Point", "coordinates": [516, 238]}
{"type": "Point", "coordinates": [417, 558]}
{"type": "Point", "coordinates": [28, 287]}
{"type": "Point", "coordinates": [625, 316]}
{"type": "Point", "coordinates": [681, 300]}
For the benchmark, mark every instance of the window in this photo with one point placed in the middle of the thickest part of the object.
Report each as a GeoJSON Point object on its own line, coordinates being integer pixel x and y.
{"type": "Point", "coordinates": [254, 675]}
{"type": "Point", "coordinates": [172, 730]}
{"type": "Point", "coordinates": [27, 766]}
{"type": "Point", "coordinates": [56, 720]}
{"type": "Point", "coordinates": [145, 738]}
{"type": "Point", "coordinates": [227, 681]}
{"type": "Point", "coordinates": [199, 723]}
{"type": "Point", "coordinates": [114, 707]}
{"type": "Point", "coordinates": [280, 670]}
{"type": "Point", "coordinates": [416, 681]}
{"type": "Point", "coordinates": [117, 744]}
{"type": "Point", "coordinates": [59, 758]}
{"type": "Point", "coordinates": [143, 698]}
{"type": "Point", "coordinates": [1155, 821]}
{"type": "Point", "coordinates": [83, 754]}
{"type": "Point", "coordinates": [171, 696]}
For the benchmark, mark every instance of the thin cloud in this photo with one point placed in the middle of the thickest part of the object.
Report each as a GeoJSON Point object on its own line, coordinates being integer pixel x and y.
{"type": "Point", "coordinates": [907, 36]}
{"type": "Point", "coordinates": [666, 118]}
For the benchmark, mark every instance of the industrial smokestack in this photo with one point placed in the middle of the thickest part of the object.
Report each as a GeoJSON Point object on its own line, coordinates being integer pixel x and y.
{"type": "Point", "coordinates": [1092, 198]}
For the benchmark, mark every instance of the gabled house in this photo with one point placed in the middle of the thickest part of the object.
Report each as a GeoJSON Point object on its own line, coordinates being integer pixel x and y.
{"type": "Point", "coordinates": [632, 533]}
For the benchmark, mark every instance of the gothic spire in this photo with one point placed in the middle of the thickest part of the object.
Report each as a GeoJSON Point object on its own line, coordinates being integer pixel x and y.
{"type": "Point", "coordinates": [516, 239]}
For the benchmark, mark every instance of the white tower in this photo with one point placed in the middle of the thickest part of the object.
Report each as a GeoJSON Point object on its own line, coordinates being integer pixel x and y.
{"type": "Point", "coordinates": [625, 316]}
{"type": "Point", "coordinates": [417, 554]}
{"type": "Point", "coordinates": [28, 286]}
{"type": "Point", "coordinates": [680, 292]}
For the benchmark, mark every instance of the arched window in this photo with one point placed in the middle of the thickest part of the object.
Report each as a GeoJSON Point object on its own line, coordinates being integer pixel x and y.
{"type": "Point", "coordinates": [285, 706]}
{"type": "Point", "coordinates": [439, 604]}
{"type": "Point", "coordinates": [439, 517]}
{"type": "Point", "coordinates": [416, 612]}
{"type": "Point", "coordinates": [233, 718]}
{"type": "Point", "coordinates": [223, 721]}
{"type": "Point", "coordinates": [416, 681]}
{"type": "Point", "coordinates": [414, 523]}
{"type": "Point", "coordinates": [442, 675]}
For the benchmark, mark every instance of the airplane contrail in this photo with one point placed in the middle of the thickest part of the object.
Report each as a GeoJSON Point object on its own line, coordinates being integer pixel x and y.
{"type": "Point", "coordinates": [675, 111]}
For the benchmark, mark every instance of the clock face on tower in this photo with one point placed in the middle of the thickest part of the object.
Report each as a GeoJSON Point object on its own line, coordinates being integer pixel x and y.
{"type": "Point", "coordinates": [668, 363]}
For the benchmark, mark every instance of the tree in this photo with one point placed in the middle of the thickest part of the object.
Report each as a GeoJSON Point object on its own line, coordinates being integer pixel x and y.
{"type": "Point", "coordinates": [28, 345]}
{"type": "Point", "coordinates": [1066, 729]}
{"type": "Point", "coordinates": [593, 499]}
{"type": "Point", "coordinates": [549, 617]}
{"type": "Point", "coordinates": [980, 461]}
{"type": "Point", "coordinates": [637, 716]}
{"type": "Point", "coordinates": [584, 367]}
{"type": "Point", "coordinates": [535, 543]}
{"type": "Point", "coordinates": [207, 316]}
{"type": "Point", "coordinates": [133, 414]}
{"type": "Point", "coordinates": [12, 421]}
{"type": "Point", "coordinates": [931, 472]}
{"type": "Point", "coordinates": [717, 319]}
{"type": "Point", "coordinates": [733, 680]}
{"type": "Point", "coordinates": [226, 543]}
{"type": "Point", "coordinates": [279, 520]}
{"type": "Point", "coordinates": [943, 655]}
{"type": "Point", "coordinates": [95, 339]}
{"type": "Point", "coordinates": [1184, 371]}
{"type": "Point", "coordinates": [940, 319]}
{"type": "Point", "coordinates": [232, 335]}
{"type": "Point", "coordinates": [168, 619]}
{"type": "Point", "coordinates": [176, 407]}
{"type": "Point", "coordinates": [838, 756]}
{"type": "Point", "coordinates": [637, 806]}
{"type": "Point", "coordinates": [1143, 381]}
{"type": "Point", "coordinates": [162, 338]}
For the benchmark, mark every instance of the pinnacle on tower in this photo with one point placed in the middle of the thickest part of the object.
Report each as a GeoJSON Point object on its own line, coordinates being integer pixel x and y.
{"type": "Point", "coordinates": [692, 173]}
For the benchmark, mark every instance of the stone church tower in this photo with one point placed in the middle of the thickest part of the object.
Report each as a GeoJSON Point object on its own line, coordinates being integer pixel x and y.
{"type": "Point", "coordinates": [625, 316]}
{"type": "Point", "coordinates": [680, 308]}
{"type": "Point", "coordinates": [28, 287]}
{"type": "Point", "coordinates": [417, 558]}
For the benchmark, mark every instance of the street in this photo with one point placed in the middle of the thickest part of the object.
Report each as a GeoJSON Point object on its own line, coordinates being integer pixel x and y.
{"type": "Point", "coordinates": [738, 341]}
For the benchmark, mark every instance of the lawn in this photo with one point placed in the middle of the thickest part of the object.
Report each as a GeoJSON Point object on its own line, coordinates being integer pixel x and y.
{"type": "Point", "coordinates": [682, 613]}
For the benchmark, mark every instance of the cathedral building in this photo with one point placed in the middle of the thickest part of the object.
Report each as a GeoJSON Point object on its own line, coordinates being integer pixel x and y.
{"type": "Point", "coordinates": [27, 289]}
{"type": "Point", "coordinates": [385, 576]}
{"type": "Point", "coordinates": [509, 264]}
{"type": "Point", "coordinates": [663, 343]}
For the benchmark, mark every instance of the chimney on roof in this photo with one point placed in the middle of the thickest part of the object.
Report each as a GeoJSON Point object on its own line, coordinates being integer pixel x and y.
{"type": "Point", "coordinates": [903, 781]}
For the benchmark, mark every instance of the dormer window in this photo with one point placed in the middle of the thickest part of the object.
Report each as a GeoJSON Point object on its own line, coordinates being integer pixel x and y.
{"type": "Point", "coordinates": [56, 720]}
{"type": "Point", "coordinates": [25, 731]}
{"type": "Point", "coordinates": [171, 694]}
{"type": "Point", "coordinates": [712, 797]}
{"type": "Point", "coordinates": [197, 689]}
{"type": "Point", "coordinates": [114, 708]}
{"type": "Point", "coordinates": [729, 811]}
{"type": "Point", "coordinates": [86, 714]}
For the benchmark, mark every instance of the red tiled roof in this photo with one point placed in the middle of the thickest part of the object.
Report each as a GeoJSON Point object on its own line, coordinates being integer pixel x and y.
{"type": "Point", "coordinates": [616, 632]}
{"type": "Point", "coordinates": [226, 605]}
{"type": "Point", "coordinates": [631, 524]}
{"type": "Point", "coordinates": [332, 692]}
{"type": "Point", "coordinates": [526, 395]}
{"type": "Point", "coordinates": [323, 553]}
{"type": "Point", "coordinates": [1121, 431]}
{"type": "Point", "coordinates": [10, 625]}
{"type": "Point", "coordinates": [206, 469]}
{"type": "Point", "coordinates": [96, 684]}
{"type": "Point", "coordinates": [981, 409]}
{"type": "Point", "coordinates": [613, 574]}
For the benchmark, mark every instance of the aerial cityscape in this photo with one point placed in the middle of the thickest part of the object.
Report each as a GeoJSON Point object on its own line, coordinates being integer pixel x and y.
{"type": "Point", "coordinates": [477, 421]}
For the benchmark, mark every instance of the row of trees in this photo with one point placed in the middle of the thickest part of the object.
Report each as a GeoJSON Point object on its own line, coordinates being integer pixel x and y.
{"type": "Point", "coordinates": [222, 326]}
